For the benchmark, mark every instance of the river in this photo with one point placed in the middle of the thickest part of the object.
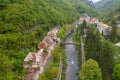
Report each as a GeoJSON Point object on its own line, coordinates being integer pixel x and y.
{"type": "Point", "coordinates": [72, 60]}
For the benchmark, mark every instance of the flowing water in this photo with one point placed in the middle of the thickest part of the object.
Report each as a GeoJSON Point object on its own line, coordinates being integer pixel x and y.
{"type": "Point", "coordinates": [72, 60]}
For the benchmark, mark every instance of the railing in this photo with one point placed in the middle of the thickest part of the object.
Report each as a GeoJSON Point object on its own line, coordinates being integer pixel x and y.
{"type": "Point", "coordinates": [70, 43]}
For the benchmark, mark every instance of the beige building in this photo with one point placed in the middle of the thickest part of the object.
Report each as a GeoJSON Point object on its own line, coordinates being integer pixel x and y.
{"type": "Point", "coordinates": [103, 28]}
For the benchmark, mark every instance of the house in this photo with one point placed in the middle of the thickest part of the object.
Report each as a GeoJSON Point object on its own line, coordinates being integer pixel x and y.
{"type": "Point", "coordinates": [52, 33]}
{"type": "Point", "coordinates": [43, 45]}
{"type": "Point", "coordinates": [84, 17]}
{"type": "Point", "coordinates": [48, 39]}
{"type": "Point", "coordinates": [118, 23]}
{"type": "Point", "coordinates": [118, 44]}
{"type": "Point", "coordinates": [56, 30]}
{"type": "Point", "coordinates": [103, 28]}
{"type": "Point", "coordinates": [40, 52]}
{"type": "Point", "coordinates": [58, 27]}
{"type": "Point", "coordinates": [94, 20]}
{"type": "Point", "coordinates": [32, 74]}
{"type": "Point", "coordinates": [32, 60]}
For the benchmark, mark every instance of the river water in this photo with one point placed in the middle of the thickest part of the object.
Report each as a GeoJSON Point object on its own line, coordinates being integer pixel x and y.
{"type": "Point", "coordinates": [72, 60]}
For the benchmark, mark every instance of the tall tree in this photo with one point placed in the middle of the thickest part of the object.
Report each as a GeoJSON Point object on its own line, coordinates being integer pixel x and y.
{"type": "Point", "coordinates": [83, 26]}
{"type": "Point", "coordinates": [105, 60]}
{"type": "Point", "coordinates": [113, 34]}
{"type": "Point", "coordinates": [90, 71]}
{"type": "Point", "coordinates": [92, 43]}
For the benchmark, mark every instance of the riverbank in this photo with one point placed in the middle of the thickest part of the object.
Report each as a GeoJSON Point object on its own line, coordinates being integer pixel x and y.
{"type": "Point", "coordinates": [72, 60]}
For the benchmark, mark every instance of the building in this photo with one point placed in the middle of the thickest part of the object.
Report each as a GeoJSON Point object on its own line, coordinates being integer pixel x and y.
{"type": "Point", "coordinates": [33, 74]}
{"type": "Point", "coordinates": [43, 45]}
{"type": "Point", "coordinates": [94, 20]}
{"type": "Point", "coordinates": [118, 23]}
{"type": "Point", "coordinates": [84, 17]}
{"type": "Point", "coordinates": [52, 33]}
{"type": "Point", "coordinates": [103, 28]}
{"type": "Point", "coordinates": [33, 64]}
{"type": "Point", "coordinates": [118, 44]}
{"type": "Point", "coordinates": [32, 60]}
{"type": "Point", "coordinates": [48, 40]}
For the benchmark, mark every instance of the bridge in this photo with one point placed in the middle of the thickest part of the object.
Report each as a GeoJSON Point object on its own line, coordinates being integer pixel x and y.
{"type": "Point", "coordinates": [70, 43]}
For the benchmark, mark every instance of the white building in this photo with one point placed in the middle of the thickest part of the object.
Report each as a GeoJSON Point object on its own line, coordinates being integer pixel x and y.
{"type": "Point", "coordinates": [103, 28]}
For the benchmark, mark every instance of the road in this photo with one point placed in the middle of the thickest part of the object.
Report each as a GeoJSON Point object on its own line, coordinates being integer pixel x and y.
{"type": "Point", "coordinates": [72, 61]}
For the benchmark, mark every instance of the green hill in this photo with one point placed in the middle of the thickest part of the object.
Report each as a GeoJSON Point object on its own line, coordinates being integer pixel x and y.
{"type": "Point", "coordinates": [110, 8]}
{"type": "Point", "coordinates": [24, 23]}
{"type": "Point", "coordinates": [107, 5]}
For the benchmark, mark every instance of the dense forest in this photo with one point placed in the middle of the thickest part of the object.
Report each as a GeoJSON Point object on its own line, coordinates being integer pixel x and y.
{"type": "Point", "coordinates": [107, 5]}
{"type": "Point", "coordinates": [23, 23]}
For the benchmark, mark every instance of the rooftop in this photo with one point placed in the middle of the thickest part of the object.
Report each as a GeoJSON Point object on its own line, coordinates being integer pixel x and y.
{"type": "Point", "coordinates": [52, 33]}
{"type": "Point", "coordinates": [43, 45]}
{"type": "Point", "coordinates": [103, 25]}
{"type": "Point", "coordinates": [94, 19]}
{"type": "Point", "coordinates": [31, 74]}
{"type": "Point", "coordinates": [48, 39]}
{"type": "Point", "coordinates": [32, 57]}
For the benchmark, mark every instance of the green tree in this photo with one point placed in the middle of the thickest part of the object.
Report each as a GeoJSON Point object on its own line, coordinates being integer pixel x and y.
{"type": "Point", "coordinates": [116, 72]}
{"type": "Point", "coordinates": [92, 43]}
{"type": "Point", "coordinates": [113, 34]}
{"type": "Point", "coordinates": [56, 54]}
{"type": "Point", "coordinates": [62, 33]}
{"type": "Point", "coordinates": [83, 26]}
{"type": "Point", "coordinates": [90, 71]}
{"type": "Point", "coordinates": [106, 59]}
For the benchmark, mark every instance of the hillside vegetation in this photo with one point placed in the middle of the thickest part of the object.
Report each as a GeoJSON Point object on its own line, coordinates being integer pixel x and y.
{"type": "Point", "coordinates": [107, 5]}
{"type": "Point", "coordinates": [24, 23]}
{"type": "Point", "coordinates": [110, 8]}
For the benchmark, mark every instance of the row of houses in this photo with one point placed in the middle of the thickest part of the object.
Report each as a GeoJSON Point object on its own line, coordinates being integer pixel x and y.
{"type": "Point", "coordinates": [35, 62]}
{"type": "Point", "coordinates": [101, 27]}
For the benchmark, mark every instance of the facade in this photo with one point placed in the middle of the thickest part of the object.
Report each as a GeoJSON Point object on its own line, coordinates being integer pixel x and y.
{"type": "Point", "coordinates": [103, 28]}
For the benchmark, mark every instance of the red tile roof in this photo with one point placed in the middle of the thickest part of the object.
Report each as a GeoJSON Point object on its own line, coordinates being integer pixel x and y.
{"type": "Point", "coordinates": [93, 19]}
{"type": "Point", "coordinates": [30, 57]}
{"type": "Point", "coordinates": [31, 73]}
{"type": "Point", "coordinates": [48, 39]}
{"type": "Point", "coordinates": [43, 45]}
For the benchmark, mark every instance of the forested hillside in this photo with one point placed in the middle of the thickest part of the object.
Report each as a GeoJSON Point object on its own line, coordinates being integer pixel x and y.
{"type": "Point", "coordinates": [112, 16]}
{"type": "Point", "coordinates": [107, 5]}
{"type": "Point", "coordinates": [82, 6]}
{"type": "Point", "coordinates": [23, 23]}
{"type": "Point", "coordinates": [110, 8]}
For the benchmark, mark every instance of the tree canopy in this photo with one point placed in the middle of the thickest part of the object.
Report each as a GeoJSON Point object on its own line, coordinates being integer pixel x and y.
{"type": "Point", "coordinates": [90, 71]}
